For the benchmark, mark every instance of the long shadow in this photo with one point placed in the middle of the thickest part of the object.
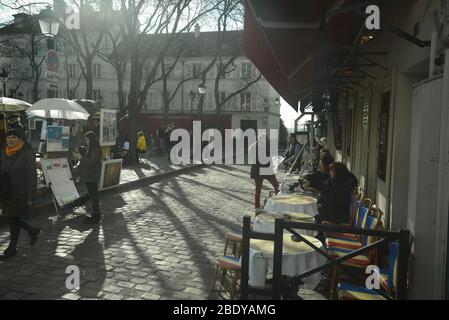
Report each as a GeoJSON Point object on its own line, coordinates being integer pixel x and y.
{"type": "Point", "coordinates": [214, 188]}
{"type": "Point", "coordinates": [89, 257]}
{"type": "Point", "coordinates": [196, 248]}
{"type": "Point", "coordinates": [204, 219]}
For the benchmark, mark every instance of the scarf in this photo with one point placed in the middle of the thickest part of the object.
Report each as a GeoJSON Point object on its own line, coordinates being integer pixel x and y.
{"type": "Point", "coordinates": [10, 151]}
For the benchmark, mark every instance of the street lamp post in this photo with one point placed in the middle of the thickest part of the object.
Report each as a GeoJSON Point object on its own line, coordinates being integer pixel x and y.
{"type": "Point", "coordinates": [49, 24]}
{"type": "Point", "coordinates": [4, 76]}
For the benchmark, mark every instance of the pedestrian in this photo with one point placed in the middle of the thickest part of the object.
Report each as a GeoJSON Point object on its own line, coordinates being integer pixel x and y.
{"type": "Point", "coordinates": [168, 144]}
{"type": "Point", "coordinates": [141, 146]}
{"type": "Point", "coordinates": [150, 146]}
{"type": "Point", "coordinates": [261, 171]}
{"type": "Point", "coordinates": [160, 136]}
{"type": "Point", "coordinates": [90, 171]}
{"type": "Point", "coordinates": [18, 181]}
{"type": "Point", "coordinates": [293, 152]}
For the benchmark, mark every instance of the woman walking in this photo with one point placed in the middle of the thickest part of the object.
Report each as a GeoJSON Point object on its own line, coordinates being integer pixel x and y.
{"type": "Point", "coordinates": [18, 176]}
{"type": "Point", "coordinates": [261, 171]}
{"type": "Point", "coordinates": [90, 171]}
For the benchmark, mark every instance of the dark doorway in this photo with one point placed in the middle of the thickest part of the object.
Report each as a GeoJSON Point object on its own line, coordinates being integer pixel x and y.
{"type": "Point", "coordinates": [248, 124]}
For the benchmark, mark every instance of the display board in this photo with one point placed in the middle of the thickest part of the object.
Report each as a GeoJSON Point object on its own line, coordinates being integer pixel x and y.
{"type": "Point", "coordinates": [108, 127]}
{"type": "Point", "coordinates": [58, 138]}
{"type": "Point", "coordinates": [110, 173]}
{"type": "Point", "coordinates": [59, 178]}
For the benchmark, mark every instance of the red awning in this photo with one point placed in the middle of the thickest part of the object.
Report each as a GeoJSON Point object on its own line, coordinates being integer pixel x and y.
{"type": "Point", "coordinates": [282, 39]}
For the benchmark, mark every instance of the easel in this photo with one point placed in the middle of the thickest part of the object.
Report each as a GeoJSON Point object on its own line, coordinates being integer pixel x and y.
{"type": "Point", "coordinates": [77, 202]}
{"type": "Point", "coordinates": [298, 156]}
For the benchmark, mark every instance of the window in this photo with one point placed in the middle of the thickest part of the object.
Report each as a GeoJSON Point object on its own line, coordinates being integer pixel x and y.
{"type": "Point", "coordinates": [245, 101]}
{"type": "Point", "coordinates": [246, 70]}
{"type": "Point", "coordinates": [196, 69]}
{"type": "Point", "coordinates": [71, 70]}
{"type": "Point", "coordinates": [96, 70]}
{"type": "Point", "coordinates": [383, 137]}
{"type": "Point", "coordinates": [96, 95]}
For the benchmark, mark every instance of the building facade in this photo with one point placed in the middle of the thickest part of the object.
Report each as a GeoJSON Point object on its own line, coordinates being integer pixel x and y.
{"type": "Point", "coordinates": [256, 107]}
{"type": "Point", "coordinates": [393, 136]}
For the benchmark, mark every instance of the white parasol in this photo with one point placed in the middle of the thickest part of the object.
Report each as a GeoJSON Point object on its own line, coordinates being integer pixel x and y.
{"type": "Point", "coordinates": [12, 105]}
{"type": "Point", "coordinates": [56, 108]}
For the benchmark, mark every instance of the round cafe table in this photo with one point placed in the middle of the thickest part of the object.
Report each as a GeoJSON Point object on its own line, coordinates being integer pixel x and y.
{"type": "Point", "coordinates": [292, 203]}
{"type": "Point", "coordinates": [265, 222]}
{"type": "Point", "coordinates": [297, 257]}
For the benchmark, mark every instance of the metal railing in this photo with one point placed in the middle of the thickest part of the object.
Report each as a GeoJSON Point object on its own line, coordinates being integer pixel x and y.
{"type": "Point", "coordinates": [278, 283]}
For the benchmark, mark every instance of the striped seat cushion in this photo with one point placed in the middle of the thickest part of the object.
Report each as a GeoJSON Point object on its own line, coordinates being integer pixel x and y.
{"type": "Point", "coordinates": [357, 261]}
{"type": "Point", "coordinates": [348, 291]}
{"type": "Point", "coordinates": [228, 262]}
{"type": "Point", "coordinates": [343, 243]}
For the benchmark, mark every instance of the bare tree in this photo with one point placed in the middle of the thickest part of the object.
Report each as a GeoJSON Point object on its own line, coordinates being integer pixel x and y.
{"type": "Point", "coordinates": [70, 71]}
{"type": "Point", "coordinates": [87, 40]}
{"type": "Point", "coordinates": [170, 18]}
{"type": "Point", "coordinates": [25, 43]}
{"type": "Point", "coordinates": [118, 61]}
{"type": "Point", "coordinates": [231, 13]}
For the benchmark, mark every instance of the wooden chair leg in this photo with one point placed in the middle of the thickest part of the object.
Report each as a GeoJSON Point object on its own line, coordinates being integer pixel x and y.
{"type": "Point", "coordinates": [334, 283]}
{"type": "Point", "coordinates": [223, 278]}
{"type": "Point", "coordinates": [214, 280]}
{"type": "Point", "coordinates": [235, 277]}
{"type": "Point", "coordinates": [225, 248]}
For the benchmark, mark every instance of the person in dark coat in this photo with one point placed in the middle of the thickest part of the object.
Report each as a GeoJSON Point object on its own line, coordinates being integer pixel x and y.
{"type": "Point", "coordinates": [90, 172]}
{"type": "Point", "coordinates": [318, 181]}
{"type": "Point", "coordinates": [19, 163]}
{"type": "Point", "coordinates": [335, 200]}
{"type": "Point", "coordinates": [261, 171]}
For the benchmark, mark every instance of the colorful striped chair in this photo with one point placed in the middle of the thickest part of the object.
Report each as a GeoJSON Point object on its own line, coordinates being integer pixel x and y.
{"type": "Point", "coordinates": [387, 280]}
{"type": "Point", "coordinates": [337, 247]}
{"type": "Point", "coordinates": [359, 222]}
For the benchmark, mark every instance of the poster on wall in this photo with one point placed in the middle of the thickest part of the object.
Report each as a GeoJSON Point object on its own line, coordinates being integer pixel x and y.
{"type": "Point", "coordinates": [108, 127]}
{"type": "Point", "coordinates": [59, 178]}
{"type": "Point", "coordinates": [110, 173]}
{"type": "Point", "coordinates": [58, 138]}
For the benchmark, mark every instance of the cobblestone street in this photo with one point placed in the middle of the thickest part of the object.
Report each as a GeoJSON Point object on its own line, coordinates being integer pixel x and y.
{"type": "Point", "coordinates": [155, 242]}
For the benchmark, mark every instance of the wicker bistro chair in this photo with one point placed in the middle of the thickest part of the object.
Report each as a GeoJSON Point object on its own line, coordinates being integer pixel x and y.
{"type": "Point", "coordinates": [387, 281]}
{"type": "Point", "coordinates": [228, 266]}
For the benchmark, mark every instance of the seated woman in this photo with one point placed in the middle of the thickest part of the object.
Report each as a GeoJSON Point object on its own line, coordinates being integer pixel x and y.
{"type": "Point", "coordinates": [334, 202]}
{"type": "Point", "coordinates": [317, 181]}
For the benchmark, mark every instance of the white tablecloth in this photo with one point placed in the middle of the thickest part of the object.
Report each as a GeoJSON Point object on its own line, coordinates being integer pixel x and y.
{"type": "Point", "coordinates": [292, 203]}
{"type": "Point", "coordinates": [265, 222]}
{"type": "Point", "coordinates": [297, 257]}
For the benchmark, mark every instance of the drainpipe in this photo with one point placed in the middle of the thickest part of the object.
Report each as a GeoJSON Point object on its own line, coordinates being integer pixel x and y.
{"type": "Point", "coordinates": [433, 52]}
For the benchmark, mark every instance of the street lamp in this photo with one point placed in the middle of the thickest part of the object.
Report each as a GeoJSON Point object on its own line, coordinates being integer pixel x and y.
{"type": "Point", "coordinates": [49, 24]}
{"type": "Point", "coordinates": [202, 89]}
{"type": "Point", "coordinates": [4, 76]}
